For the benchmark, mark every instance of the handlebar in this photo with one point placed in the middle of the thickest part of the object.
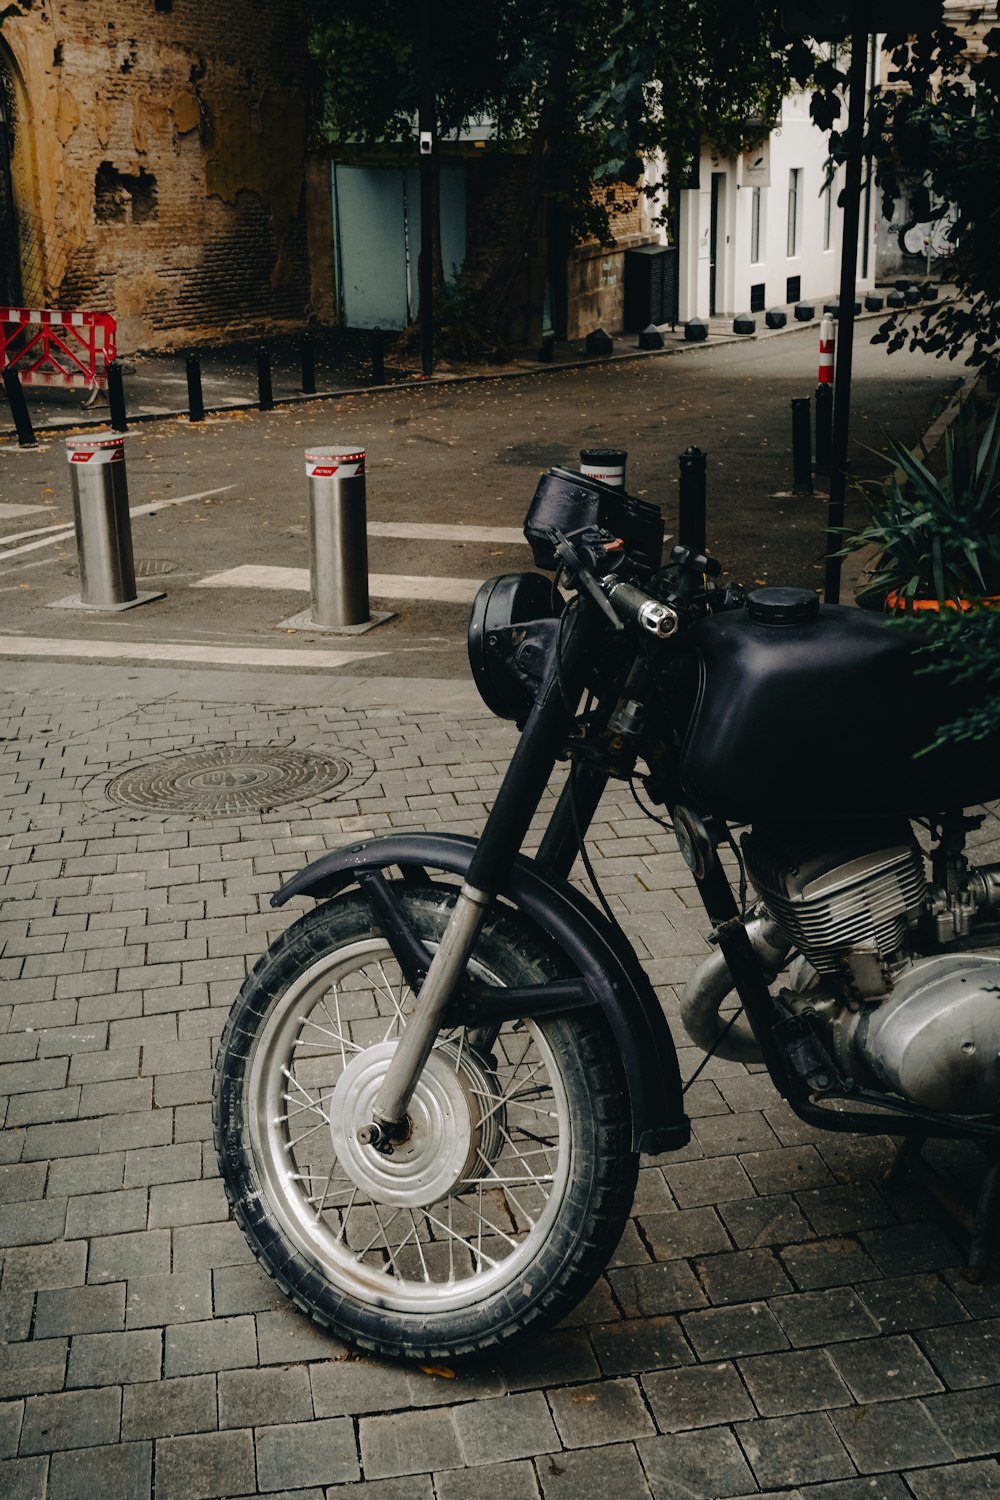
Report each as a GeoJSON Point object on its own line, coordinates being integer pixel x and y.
{"type": "Point", "coordinates": [632, 603]}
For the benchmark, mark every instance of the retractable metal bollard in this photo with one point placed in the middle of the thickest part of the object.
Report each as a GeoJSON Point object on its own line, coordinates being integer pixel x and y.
{"type": "Point", "coordinates": [338, 537]}
{"type": "Point", "coordinates": [103, 528]}
{"type": "Point", "coordinates": [606, 464]}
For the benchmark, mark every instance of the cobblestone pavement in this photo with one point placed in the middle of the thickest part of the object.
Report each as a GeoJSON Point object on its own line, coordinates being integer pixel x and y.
{"type": "Point", "coordinates": [778, 1318]}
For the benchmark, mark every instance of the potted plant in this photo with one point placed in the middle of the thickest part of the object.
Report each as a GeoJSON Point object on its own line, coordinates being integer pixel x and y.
{"type": "Point", "coordinates": [936, 537]}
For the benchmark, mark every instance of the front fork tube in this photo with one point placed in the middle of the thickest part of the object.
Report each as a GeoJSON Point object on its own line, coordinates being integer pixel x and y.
{"type": "Point", "coordinates": [531, 765]}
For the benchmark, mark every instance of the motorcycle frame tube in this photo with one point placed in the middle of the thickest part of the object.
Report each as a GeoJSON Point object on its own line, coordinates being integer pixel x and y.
{"type": "Point", "coordinates": [610, 973]}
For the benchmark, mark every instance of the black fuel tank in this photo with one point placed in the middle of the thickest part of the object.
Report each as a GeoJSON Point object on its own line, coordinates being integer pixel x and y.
{"type": "Point", "coordinates": [806, 709]}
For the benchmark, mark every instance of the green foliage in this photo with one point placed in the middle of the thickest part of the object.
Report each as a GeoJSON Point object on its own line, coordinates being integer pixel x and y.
{"type": "Point", "coordinates": [937, 536]}
{"type": "Point", "coordinates": [941, 126]}
{"type": "Point", "coordinates": [597, 88]}
{"type": "Point", "coordinates": [965, 649]}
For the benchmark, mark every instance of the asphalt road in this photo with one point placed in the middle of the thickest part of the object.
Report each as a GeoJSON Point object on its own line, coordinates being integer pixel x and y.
{"type": "Point", "coordinates": [455, 455]}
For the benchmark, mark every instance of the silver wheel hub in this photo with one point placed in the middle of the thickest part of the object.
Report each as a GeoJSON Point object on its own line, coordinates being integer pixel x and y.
{"type": "Point", "coordinates": [455, 1129]}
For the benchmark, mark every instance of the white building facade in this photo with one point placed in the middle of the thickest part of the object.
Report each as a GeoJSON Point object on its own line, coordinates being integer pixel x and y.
{"type": "Point", "coordinates": [764, 230]}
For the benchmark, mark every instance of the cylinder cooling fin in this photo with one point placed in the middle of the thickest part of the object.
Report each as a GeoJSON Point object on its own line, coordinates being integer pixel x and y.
{"type": "Point", "coordinates": [829, 896]}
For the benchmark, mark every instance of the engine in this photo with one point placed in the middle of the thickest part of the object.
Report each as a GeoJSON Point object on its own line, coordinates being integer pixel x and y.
{"type": "Point", "coordinates": [856, 910]}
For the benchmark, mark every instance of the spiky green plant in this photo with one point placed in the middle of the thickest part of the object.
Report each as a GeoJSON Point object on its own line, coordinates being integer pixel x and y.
{"type": "Point", "coordinates": [937, 537]}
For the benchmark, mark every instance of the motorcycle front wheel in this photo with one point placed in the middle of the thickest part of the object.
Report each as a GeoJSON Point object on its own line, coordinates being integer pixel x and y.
{"type": "Point", "coordinates": [505, 1201]}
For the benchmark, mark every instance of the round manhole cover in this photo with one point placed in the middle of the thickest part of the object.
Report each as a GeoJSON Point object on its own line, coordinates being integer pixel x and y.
{"type": "Point", "coordinates": [226, 780]}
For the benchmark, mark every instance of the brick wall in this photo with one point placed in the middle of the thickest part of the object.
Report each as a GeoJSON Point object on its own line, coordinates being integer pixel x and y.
{"type": "Point", "coordinates": [168, 138]}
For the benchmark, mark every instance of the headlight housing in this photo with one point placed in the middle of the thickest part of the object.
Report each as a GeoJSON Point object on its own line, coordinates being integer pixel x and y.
{"type": "Point", "coordinates": [512, 627]}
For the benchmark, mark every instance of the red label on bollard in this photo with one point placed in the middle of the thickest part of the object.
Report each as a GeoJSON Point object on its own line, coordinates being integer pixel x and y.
{"type": "Point", "coordinates": [344, 463]}
{"type": "Point", "coordinates": [95, 450]}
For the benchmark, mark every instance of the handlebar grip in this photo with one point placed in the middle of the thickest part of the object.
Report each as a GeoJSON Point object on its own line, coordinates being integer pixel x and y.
{"type": "Point", "coordinates": [633, 603]}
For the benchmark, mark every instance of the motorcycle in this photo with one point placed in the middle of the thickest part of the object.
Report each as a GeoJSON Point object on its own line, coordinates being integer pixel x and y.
{"type": "Point", "coordinates": [433, 1091]}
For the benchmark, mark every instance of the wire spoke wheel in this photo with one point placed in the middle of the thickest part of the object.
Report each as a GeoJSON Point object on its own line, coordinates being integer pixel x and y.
{"type": "Point", "coordinates": [485, 1216]}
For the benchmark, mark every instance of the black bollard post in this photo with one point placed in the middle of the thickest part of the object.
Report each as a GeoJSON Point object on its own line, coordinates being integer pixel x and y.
{"type": "Point", "coordinates": [19, 410]}
{"type": "Point", "coordinates": [691, 500]}
{"type": "Point", "coordinates": [196, 401]}
{"type": "Point", "coordinates": [801, 447]}
{"type": "Point", "coordinates": [308, 365]}
{"type": "Point", "coordinates": [116, 397]}
{"type": "Point", "coordinates": [266, 402]}
{"type": "Point", "coordinates": [378, 358]}
{"type": "Point", "coordinates": [824, 427]}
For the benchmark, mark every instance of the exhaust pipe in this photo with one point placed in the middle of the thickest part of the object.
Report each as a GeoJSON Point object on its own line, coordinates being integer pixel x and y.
{"type": "Point", "coordinates": [712, 982]}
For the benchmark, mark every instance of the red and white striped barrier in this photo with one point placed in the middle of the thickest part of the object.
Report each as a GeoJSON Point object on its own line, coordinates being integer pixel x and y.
{"type": "Point", "coordinates": [827, 348]}
{"type": "Point", "coordinates": [47, 347]}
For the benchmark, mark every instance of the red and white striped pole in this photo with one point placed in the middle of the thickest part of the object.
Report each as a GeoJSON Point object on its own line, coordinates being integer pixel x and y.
{"type": "Point", "coordinates": [824, 395]}
{"type": "Point", "coordinates": [827, 348]}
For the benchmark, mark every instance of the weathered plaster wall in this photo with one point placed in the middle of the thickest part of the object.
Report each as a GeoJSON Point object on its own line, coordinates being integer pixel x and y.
{"type": "Point", "coordinates": [169, 143]}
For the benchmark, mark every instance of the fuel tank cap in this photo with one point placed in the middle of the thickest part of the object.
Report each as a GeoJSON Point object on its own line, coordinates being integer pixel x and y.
{"type": "Point", "coordinates": [779, 606]}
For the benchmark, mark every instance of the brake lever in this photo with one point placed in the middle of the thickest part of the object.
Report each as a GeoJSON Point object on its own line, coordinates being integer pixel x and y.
{"type": "Point", "coordinates": [588, 584]}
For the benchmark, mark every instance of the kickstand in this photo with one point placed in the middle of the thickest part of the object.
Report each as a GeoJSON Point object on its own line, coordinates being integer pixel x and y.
{"type": "Point", "coordinates": [979, 1220]}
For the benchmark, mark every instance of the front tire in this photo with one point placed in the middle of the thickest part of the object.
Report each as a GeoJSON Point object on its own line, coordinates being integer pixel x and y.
{"type": "Point", "coordinates": [505, 1203]}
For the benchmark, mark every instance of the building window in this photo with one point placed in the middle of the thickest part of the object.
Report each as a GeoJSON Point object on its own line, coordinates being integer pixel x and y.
{"type": "Point", "coordinates": [755, 213]}
{"type": "Point", "coordinates": [827, 216]}
{"type": "Point", "coordinates": [794, 194]}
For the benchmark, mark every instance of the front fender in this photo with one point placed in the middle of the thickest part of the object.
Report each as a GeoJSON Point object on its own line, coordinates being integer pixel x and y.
{"type": "Point", "coordinates": [599, 952]}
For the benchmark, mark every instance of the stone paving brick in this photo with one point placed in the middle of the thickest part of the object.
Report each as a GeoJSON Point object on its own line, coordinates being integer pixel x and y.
{"type": "Point", "coordinates": [33, 1267]}
{"type": "Point", "coordinates": [824, 1317]}
{"type": "Point", "coordinates": [701, 1397]}
{"type": "Point", "coordinates": [838, 1261]}
{"type": "Point", "coordinates": [83, 1309]}
{"type": "Point", "coordinates": [117, 1257]}
{"type": "Point", "coordinates": [159, 1164]}
{"type": "Point", "coordinates": [286, 1336]}
{"type": "Point", "coordinates": [514, 1481]}
{"type": "Point", "coordinates": [100, 1358]}
{"type": "Point", "coordinates": [741, 1276]}
{"type": "Point", "coordinates": [314, 1452]}
{"type": "Point", "coordinates": [106, 1213]}
{"type": "Point", "coordinates": [283, 1396]}
{"type": "Point", "coordinates": [169, 1408]}
{"type": "Point", "coordinates": [183, 1203]}
{"type": "Point", "coordinates": [204, 1466]}
{"type": "Point", "coordinates": [408, 1443]}
{"type": "Point", "coordinates": [11, 1416]}
{"type": "Point", "coordinates": [692, 1231]}
{"type": "Point", "coordinates": [957, 1482]}
{"type": "Point", "coordinates": [640, 1344]}
{"type": "Point", "coordinates": [793, 1449]}
{"type": "Point", "coordinates": [71, 1419]}
{"type": "Point", "coordinates": [782, 1384]}
{"type": "Point", "coordinates": [81, 1175]}
{"type": "Point", "coordinates": [754, 1222]}
{"type": "Point", "coordinates": [553, 1359]}
{"type": "Point", "coordinates": [964, 1355]}
{"type": "Point", "coordinates": [509, 1427]}
{"type": "Point", "coordinates": [884, 1369]}
{"type": "Point", "coordinates": [664, 1287]}
{"type": "Point", "coordinates": [969, 1421]}
{"type": "Point", "coordinates": [893, 1435]}
{"type": "Point", "coordinates": [32, 1223]}
{"type": "Point", "coordinates": [845, 1208]}
{"type": "Point", "coordinates": [904, 1248]}
{"type": "Point", "coordinates": [699, 1465]}
{"type": "Point", "coordinates": [155, 1300]}
{"type": "Point", "coordinates": [880, 1487]}
{"type": "Point", "coordinates": [222, 1344]}
{"type": "Point", "coordinates": [126, 1132]}
{"type": "Point", "coordinates": [728, 1332]}
{"type": "Point", "coordinates": [906, 1302]}
{"type": "Point", "coordinates": [123, 1472]}
{"type": "Point", "coordinates": [205, 1246]}
{"type": "Point", "coordinates": [351, 1387]}
{"type": "Point", "coordinates": [245, 1289]}
{"type": "Point", "coordinates": [698, 1183]}
{"type": "Point", "coordinates": [23, 1479]}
